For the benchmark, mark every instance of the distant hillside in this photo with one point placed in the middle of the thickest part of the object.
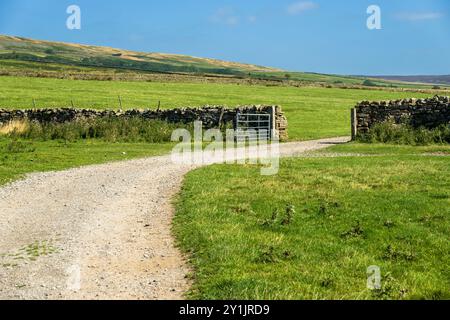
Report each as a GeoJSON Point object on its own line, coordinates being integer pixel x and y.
{"type": "Point", "coordinates": [74, 54]}
{"type": "Point", "coordinates": [445, 79]}
{"type": "Point", "coordinates": [36, 58]}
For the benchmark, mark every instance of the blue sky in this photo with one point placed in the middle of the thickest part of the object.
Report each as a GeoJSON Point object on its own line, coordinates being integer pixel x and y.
{"type": "Point", "coordinates": [327, 36]}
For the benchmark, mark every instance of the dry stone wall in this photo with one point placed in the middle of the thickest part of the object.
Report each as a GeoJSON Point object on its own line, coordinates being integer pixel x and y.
{"type": "Point", "coordinates": [211, 116]}
{"type": "Point", "coordinates": [429, 113]}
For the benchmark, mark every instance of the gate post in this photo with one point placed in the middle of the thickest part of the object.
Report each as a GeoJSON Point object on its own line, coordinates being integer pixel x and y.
{"type": "Point", "coordinates": [354, 123]}
{"type": "Point", "coordinates": [273, 117]}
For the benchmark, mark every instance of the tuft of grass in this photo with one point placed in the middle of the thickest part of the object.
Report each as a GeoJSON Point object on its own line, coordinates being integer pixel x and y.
{"type": "Point", "coordinates": [15, 146]}
{"type": "Point", "coordinates": [289, 216]}
{"type": "Point", "coordinates": [39, 249]}
{"type": "Point", "coordinates": [272, 254]}
{"type": "Point", "coordinates": [277, 219]}
{"type": "Point", "coordinates": [10, 127]}
{"type": "Point", "coordinates": [393, 253]}
{"type": "Point", "coordinates": [30, 252]}
{"type": "Point", "coordinates": [390, 289]}
{"type": "Point", "coordinates": [354, 232]}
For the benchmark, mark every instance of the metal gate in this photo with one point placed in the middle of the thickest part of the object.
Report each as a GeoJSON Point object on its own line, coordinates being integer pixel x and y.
{"type": "Point", "coordinates": [253, 127]}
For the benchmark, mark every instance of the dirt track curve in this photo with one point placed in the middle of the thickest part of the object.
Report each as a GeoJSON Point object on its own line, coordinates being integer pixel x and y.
{"type": "Point", "coordinates": [98, 232]}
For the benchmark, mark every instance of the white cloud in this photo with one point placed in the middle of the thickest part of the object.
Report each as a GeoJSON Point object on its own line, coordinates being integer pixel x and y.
{"type": "Point", "coordinates": [252, 19]}
{"type": "Point", "coordinates": [300, 7]}
{"type": "Point", "coordinates": [419, 16]}
{"type": "Point", "coordinates": [225, 16]}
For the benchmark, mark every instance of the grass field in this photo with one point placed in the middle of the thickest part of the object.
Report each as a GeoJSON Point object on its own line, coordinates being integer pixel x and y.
{"type": "Point", "coordinates": [19, 158]}
{"type": "Point", "coordinates": [388, 149]}
{"type": "Point", "coordinates": [390, 209]}
{"type": "Point", "coordinates": [312, 112]}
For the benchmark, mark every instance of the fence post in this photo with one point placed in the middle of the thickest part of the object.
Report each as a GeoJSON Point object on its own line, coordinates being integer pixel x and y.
{"type": "Point", "coordinates": [219, 122]}
{"type": "Point", "coordinates": [354, 122]}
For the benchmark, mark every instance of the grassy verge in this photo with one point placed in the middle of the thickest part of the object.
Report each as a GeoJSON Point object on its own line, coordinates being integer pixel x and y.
{"type": "Point", "coordinates": [18, 157]}
{"type": "Point", "coordinates": [312, 112]}
{"type": "Point", "coordinates": [388, 149]}
{"type": "Point", "coordinates": [312, 231]}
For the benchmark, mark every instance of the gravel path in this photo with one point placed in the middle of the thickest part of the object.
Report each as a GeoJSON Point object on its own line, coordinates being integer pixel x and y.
{"type": "Point", "coordinates": [98, 232]}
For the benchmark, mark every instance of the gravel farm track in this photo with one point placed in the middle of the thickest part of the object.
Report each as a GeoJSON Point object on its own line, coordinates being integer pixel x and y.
{"type": "Point", "coordinates": [98, 232]}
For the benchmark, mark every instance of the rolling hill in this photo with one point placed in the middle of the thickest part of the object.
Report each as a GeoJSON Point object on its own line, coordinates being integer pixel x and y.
{"type": "Point", "coordinates": [29, 57]}
{"type": "Point", "coordinates": [23, 49]}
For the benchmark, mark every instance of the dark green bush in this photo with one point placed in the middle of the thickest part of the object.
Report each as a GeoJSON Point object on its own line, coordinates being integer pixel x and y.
{"type": "Point", "coordinates": [369, 83]}
{"type": "Point", "coordinates": [108, 129]}
{"type": "Point", "coordinates": [389, 132]}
